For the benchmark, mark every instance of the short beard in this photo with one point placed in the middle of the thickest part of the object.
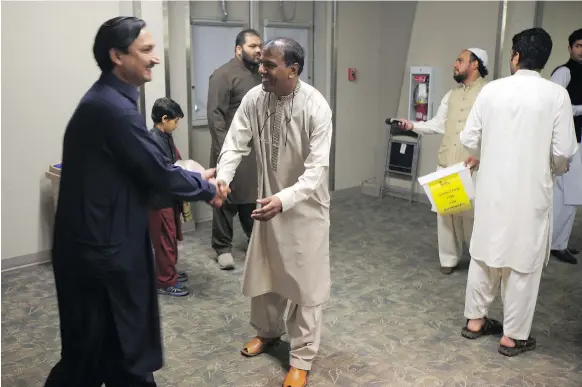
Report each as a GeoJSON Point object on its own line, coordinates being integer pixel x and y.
{"type": "Point", "coordinates": [248, 61]}
{"type": "Point", "coordinates": [460, 78]}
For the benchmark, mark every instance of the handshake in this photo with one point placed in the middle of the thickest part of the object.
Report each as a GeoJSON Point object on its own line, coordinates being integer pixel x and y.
{"type": "Point", "coordinates": [222, 190]}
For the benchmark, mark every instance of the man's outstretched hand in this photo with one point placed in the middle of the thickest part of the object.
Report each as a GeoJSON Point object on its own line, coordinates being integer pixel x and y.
{"type": "Point", "coordinates": [223, 188]}
{"type": "Point", "coordinates": [270, 207]}
{"type": "Point", "coordinates": [472, 163]}
{"type": "Point", "coordinates": [209, 173]}
{"type": "Point", "coordinates": [222, 191]}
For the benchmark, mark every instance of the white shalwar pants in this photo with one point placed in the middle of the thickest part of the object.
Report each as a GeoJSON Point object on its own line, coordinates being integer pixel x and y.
{"type": "Point", "coordinates": [452, 231]}
{"type": "Point", "coordinates": [519, 293]}
{"type": "Point", "coordinates": [304, 324]}
{"type": "Point", "coordinates": [567, 196]}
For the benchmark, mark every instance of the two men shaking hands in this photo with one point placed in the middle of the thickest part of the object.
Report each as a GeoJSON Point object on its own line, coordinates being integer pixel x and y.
{"type": "Point", "coordinates": [270, 206]}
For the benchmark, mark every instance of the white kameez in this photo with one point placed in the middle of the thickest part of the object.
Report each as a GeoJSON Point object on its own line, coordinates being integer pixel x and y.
{"type": "Point", "coordinates": [521, 128]}
{"type": "Point", "coordinates": [567, 188]}
{"type": "Point", "coordinates": [567, 196]}
{"type": "Point", "coordinates": [289, 254]}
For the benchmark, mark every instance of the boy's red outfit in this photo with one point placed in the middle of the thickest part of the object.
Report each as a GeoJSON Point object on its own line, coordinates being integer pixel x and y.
{"type": "Point", "coordinates": [165, 224]}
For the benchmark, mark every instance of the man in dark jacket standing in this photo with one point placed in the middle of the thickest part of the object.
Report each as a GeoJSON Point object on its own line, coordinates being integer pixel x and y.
{"type": "Point", "coordinates": [102, 256]}
{"type": "Point", "coordinates": [228, 85]}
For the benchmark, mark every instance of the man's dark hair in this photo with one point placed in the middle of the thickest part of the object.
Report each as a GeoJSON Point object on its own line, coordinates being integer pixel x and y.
{"type": "Point", "coordinates": [241, 38]}
{"type": "Point", "coordinates": [119, 33]}
{"type": "Point", "coordinates": [482, 69]}
{"type": "Point", "coordinates": [166, 107]}
{"type": "Point", "coordinates": [534, 46]}
{"type": "Point", "coordinates": [291, 50]}
{"type": "Point", "coordinates": [574, 37]}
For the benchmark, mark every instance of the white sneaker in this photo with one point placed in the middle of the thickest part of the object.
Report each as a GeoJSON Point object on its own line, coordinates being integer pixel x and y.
{"type": "Point", "coordinates": [226, 261]}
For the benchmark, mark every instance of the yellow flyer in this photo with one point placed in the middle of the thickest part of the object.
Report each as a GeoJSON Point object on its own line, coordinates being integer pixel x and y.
{"type": "Point", "coordinates": [450, 189]}
{"type": "Point", "coordinates": [449, 195]}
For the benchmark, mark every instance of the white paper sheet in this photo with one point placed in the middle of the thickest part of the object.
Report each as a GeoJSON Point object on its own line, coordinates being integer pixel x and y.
{"type": "Point", "coordinates": [464, 174]}
{"type": "Point", "coordinates": [190, 165]}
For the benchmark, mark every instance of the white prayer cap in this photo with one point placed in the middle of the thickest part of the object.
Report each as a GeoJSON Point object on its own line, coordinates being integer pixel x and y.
{"type": "Point", "coordinates": [481, 54]}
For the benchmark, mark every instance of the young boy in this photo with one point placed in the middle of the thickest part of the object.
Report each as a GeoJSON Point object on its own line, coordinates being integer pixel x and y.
{"type": "Point", "coordinates": [164, 217]}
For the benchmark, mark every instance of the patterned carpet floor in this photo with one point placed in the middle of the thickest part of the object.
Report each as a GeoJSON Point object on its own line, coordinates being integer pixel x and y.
{"type": "Point", "coordinates": [393, 318]}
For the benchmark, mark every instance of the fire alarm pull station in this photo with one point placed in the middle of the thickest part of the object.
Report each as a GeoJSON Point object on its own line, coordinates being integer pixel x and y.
{"type": "Point", "coordinates": [351, 74]}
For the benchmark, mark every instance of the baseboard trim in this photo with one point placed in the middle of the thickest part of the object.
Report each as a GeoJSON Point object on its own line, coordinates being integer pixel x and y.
{"type": "Point", "coordinates": [21, 261]}
{"type": "Point", "coordinates": [403, 193]}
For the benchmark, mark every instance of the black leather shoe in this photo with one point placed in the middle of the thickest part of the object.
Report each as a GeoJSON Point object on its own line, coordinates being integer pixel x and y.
{"type": "Point", "coordinates": [565, 256]}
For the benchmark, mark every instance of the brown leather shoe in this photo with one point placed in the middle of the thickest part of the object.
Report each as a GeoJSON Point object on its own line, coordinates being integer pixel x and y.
{"type": "Point", "coordinates": [295, 378]}
{"type": "Point", "coordinates": [256, 346]}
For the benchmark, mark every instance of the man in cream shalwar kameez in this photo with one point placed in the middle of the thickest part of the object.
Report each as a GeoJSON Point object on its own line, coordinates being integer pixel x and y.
{"type": "Point", "coordinates": [522, 131]}
{"type": "Point", "coordinates": [289, 123]}
{"type": "Point", "coordinates": [469, 71]}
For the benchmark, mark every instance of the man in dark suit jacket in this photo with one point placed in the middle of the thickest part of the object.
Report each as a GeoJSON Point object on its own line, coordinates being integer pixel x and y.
{"type": "Point", "coordinates": [102, 256]}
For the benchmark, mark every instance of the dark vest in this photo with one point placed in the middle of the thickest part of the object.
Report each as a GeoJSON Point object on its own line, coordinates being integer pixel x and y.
{"type": "Point", "coordinates": [575, 90]}
{"type": "Point", "coordinates": [166, 141]}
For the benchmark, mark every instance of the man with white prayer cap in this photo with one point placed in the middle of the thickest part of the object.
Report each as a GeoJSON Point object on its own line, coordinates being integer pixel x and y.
{"type": "Point", "coordinates": [469, 71]}
{"type": "Point", "coordinates": [521, 129]}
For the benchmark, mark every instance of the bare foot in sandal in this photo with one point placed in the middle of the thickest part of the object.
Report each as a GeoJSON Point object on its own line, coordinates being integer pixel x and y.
{"type": "Point", "coordinates": [481, 327]}
{"type": "Point", "coordinates": [475, 325]}
{"type": "Point", "coordinates": [513, 347]}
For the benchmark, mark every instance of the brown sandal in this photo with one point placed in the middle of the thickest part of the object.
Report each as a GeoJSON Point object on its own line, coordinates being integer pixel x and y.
{"type": "Point", "coordinates": [257, 345]}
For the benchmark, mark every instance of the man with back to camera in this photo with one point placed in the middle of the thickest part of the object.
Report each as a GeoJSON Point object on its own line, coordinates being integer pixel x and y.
{"type": "Point", "coordinates": [568, 188]}
{"type": "Point", "coordinates": [289, 123]}
{"type": "Point", "coordinates": [102, 253]}
{"type": "Point", "coordinates": [522, 132]}
{"type": "Point", "coordinates": [228, 85]}
{"type": "Point", "coordinates": [469, 71]}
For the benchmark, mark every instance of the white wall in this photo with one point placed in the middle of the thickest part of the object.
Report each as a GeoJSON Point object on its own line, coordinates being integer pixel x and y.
{"type": "Point", "coordinates": [520, 16]}
{"type": "Point", "coordinates": [179, 31]}
{"type": "Point", "coordinates": [151, 12]}
{"type": "Point", "coordinates": [46, 69]}
{"type": "Point", "coordinates": [47, 65]}
{"type": "Point", "coordinates": [560, 19]}
{"type": "Point", "coordinates": [437, 44]}
{"type": "Point", "coordinates": [373, 37]}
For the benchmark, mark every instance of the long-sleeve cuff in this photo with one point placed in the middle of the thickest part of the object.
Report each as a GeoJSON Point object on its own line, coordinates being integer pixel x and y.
{"type": "Point", "coordinates": [420, 129]}
{"type": "Point", "coordinates": [207, 190]}
{"type": "Point", "coordinates": [223, 176]}
{"type": "Point", "coordinates": [211, 192]}
{"type": "Point", "coordinates": [286, 198]}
